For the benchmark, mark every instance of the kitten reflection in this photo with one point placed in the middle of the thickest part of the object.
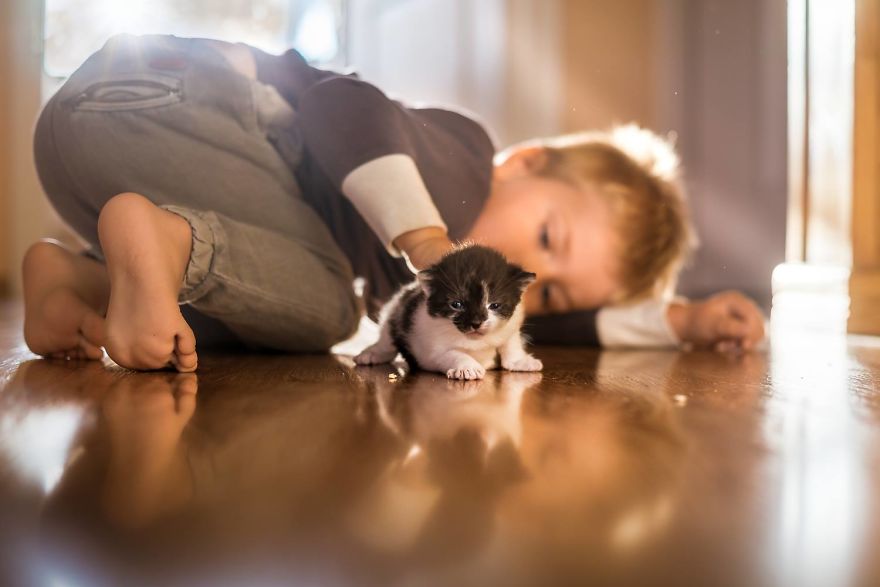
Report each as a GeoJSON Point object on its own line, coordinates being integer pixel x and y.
{"type": "Point", "coordinates": [436, 502]}
{"type": "Point", "coordinates": [604, 468]}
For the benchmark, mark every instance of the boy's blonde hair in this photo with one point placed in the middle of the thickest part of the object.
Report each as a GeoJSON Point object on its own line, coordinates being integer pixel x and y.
{"type": "Point", "coordinates": [637, 173]}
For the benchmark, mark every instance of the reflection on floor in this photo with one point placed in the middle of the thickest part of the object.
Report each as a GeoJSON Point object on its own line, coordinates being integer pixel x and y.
{"type": "Point", "coordinates": [640, 468]}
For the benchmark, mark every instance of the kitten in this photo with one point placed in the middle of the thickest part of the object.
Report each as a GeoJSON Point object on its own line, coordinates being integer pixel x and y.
{"type": "Point", "coordinates": [460, 316]}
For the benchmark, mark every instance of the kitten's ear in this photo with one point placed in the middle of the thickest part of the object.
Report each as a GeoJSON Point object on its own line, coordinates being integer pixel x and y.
{"type": "Point", "coordinates": [523, 278]}
{"type": "Point", "coordinates": [425, 278]}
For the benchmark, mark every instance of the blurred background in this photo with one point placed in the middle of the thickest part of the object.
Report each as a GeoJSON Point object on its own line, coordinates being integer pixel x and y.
{"type": "Point", "coordinates": [727, 80]}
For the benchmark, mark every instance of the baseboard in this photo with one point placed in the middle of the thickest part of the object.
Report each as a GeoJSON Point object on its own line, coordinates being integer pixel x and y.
{"type": "Point", "coordinates": [864, 293]}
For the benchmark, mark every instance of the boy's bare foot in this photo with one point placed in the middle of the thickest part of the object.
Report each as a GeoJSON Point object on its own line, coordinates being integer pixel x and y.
{"type": "Point", "coordinates": [65, 297]}
{"type": "Point", "coordinates": [147, 251]}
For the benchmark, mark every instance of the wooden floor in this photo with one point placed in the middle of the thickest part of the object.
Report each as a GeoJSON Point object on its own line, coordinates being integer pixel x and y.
{"type": "Point", "coordinates": [629, 468]}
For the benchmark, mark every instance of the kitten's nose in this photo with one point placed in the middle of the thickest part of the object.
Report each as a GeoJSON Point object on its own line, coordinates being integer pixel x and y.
{"type": "Point", "coordinates": [475, 324]}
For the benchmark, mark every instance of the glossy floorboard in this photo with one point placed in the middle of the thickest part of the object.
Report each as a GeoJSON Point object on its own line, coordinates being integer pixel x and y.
{"type": "Point", "coordinates": [641, 468]}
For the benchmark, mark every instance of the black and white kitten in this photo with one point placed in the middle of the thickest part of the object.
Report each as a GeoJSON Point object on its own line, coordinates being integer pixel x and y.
{"type": "Point", "coordinates": [460, 316]}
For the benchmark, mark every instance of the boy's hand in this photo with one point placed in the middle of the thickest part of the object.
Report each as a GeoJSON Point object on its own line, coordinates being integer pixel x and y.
{"type": "Point", "coordinates": [424, 246]}
{"type": "Point", "coordinates": [725, 321]}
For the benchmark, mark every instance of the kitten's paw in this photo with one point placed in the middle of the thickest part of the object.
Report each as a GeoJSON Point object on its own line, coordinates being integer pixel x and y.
{"type": "Point", "coordinates": [374, 356]}
{"type": "Point", "coordinates": [524, 363]}
{"type": "Point", "coordinates": [466, 371]}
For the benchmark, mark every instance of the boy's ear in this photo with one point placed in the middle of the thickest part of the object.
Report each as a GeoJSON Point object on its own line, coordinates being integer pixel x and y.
{"type": "Point", "coordinates": [424, 278]}
{"type": "Point", "coordinates": [522, 162]}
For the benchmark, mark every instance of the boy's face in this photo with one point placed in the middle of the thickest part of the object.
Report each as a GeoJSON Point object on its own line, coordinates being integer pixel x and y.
{"type": "Point", "coordinates": [562, 233]}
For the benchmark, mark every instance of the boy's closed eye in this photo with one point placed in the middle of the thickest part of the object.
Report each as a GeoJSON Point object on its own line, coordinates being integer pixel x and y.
{"type": "Point", "coordinates": [554, 298]}
{"type": "Point", "coordinates": [545, 297]}
{"type": "Point", "coordinates": [544, 236]}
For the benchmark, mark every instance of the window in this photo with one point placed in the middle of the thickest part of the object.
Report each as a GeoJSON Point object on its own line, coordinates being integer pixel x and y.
{"type": "Point", "coordinates": [76, 28]}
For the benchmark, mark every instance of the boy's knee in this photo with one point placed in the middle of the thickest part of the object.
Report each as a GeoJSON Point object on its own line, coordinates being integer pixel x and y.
{"type": "Point", "coordinates": [316, 335]}
{"type": "Point", "coordinates": [335, 331]}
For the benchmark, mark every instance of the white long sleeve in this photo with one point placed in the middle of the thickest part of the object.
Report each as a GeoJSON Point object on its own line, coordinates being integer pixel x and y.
{"type": "Point", "coordinates": [391, 195]}
{"type": "Point", "coordinates": [639, 325]}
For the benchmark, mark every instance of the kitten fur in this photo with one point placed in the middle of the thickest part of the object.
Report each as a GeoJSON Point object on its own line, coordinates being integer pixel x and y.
{"type": "Point", "coordinates": [460, 316]}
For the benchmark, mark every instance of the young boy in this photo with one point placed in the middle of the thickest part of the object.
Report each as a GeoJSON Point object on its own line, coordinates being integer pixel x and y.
{"type": "Point", "coordinates": [234, 195]}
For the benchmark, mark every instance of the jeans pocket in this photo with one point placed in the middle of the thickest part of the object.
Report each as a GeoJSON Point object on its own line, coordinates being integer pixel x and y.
{"type": "Point", "coordinates": [131, 91]}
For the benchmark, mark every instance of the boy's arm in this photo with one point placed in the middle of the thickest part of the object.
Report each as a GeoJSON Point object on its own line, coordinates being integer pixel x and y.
{"type": "Point", "coordinates": [360, 139]}
{"type": "Point", "coordinates": [723, 321]}
{"type": "Point", "coordinates": [639, 325]}
{"type": "Point", "coordinates": [635, 325]}
{"type": "Point", "coordinates": [391, 196]}
{"type": "Point", "coordinates": [576, 328]}
{"type": "Point", "coordinates": [424, 246]}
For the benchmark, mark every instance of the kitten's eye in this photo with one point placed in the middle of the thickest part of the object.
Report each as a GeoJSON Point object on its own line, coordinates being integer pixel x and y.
{"type": "Point", "coordinates": [545, 236]}
{"type": "Point", "coordinates": [456, 305]}
{"type": "Point", "coordinates": [494, 306]}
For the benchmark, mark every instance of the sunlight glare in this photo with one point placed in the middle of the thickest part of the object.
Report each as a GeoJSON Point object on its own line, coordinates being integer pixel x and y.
{"type": "Point", "coordinates": [38, 443]}
{"type": "Point", "coordinates": [315, 35]}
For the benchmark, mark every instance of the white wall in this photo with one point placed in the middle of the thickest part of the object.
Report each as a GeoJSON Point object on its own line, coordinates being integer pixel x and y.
{"type": "Point", "coordinates": [730, 114]}
{"type": "Point", "coordinates": [489, 57]}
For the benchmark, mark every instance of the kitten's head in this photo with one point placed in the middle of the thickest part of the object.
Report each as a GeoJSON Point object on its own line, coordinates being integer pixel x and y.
{"type": "Point", "coordinates": [475, 287]}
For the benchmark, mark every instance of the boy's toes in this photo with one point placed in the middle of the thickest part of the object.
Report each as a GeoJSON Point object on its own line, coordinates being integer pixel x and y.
{"type": "Point", "coordinates": [94, 329]}
{"type": "Point", "coordinates": [185, 363]}
{"type": "Point", "coordinates": [140, 355]}
{"type": "Point", "coordinates": [89, 350]}
{"type": "Point", "coordinates": [185, 358]}
{"type": "Point", "coordinates": [82, 352]}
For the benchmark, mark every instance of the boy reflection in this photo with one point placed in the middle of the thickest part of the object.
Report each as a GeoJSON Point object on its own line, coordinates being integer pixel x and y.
{"type": "Point", "coordinates": [148, 473]}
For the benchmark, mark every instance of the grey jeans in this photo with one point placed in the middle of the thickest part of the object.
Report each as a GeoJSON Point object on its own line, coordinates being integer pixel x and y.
{"type": "Point", "coordinates": [170, 119]}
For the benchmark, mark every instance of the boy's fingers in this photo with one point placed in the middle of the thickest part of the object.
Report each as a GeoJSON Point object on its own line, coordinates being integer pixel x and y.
{"type": "Point", "coordinates": [732, 328]}
{"type": "Point", "coordinates": [748, 313]}
{"type": "Point", "coordinates": [755, 322]}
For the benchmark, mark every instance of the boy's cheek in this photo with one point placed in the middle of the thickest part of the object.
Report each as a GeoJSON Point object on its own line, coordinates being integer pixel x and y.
{"type": "Point", "coordinates": [532, 302]}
